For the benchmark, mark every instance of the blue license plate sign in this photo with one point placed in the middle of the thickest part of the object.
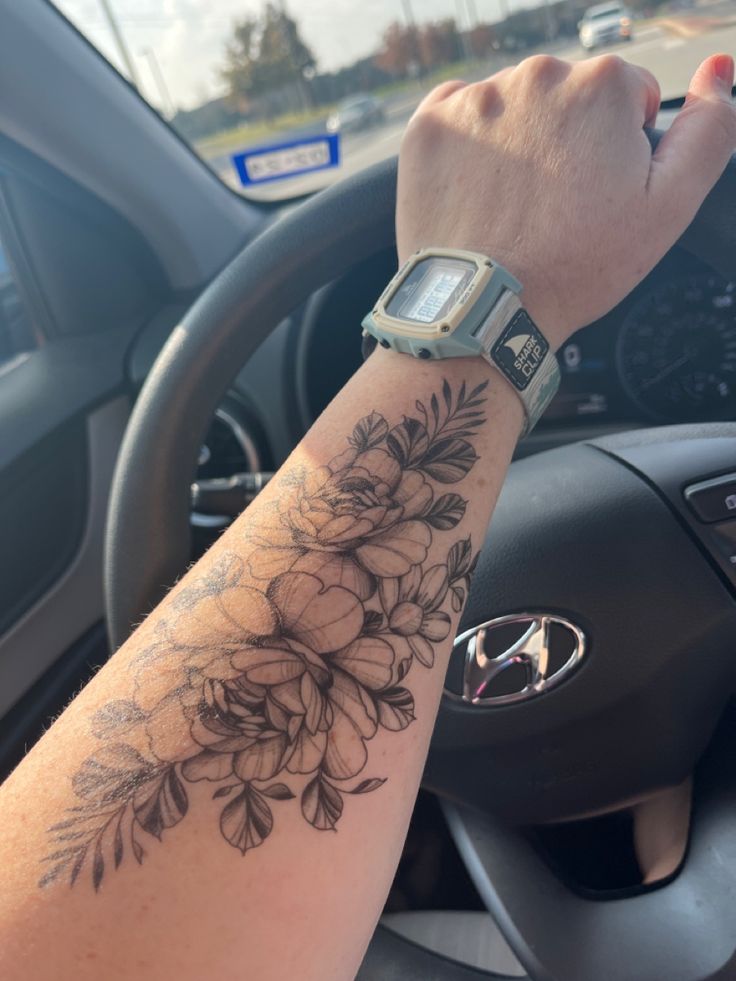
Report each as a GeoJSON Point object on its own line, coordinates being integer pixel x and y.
{"type": "Point", "coordinates": [258, 165]}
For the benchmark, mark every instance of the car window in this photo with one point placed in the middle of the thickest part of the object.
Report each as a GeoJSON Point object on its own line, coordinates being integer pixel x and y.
{"type": "Point", "coordinates": [605, 12]}
{"type": "Point", "coordinates": [257, 88]}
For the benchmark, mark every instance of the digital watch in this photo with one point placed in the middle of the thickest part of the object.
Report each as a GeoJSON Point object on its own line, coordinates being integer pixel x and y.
{"type": "Point", "coordinates": [446, 303]}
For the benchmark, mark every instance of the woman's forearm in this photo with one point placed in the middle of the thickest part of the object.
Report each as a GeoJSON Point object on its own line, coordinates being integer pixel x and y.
{"type": "Point", "coordinates": [284, 691]}
{"type": "Point", "coordinates": [229, 796]}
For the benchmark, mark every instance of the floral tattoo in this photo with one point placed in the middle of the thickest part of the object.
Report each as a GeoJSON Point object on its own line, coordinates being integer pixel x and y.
{"type": "Point", "coordinates": [276, 668]}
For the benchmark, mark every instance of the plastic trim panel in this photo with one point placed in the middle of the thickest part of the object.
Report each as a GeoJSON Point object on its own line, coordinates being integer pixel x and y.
{"type": "Point", "coordinates": [75, 603]}
{"type": "Point", "coordinates": [61, 99]}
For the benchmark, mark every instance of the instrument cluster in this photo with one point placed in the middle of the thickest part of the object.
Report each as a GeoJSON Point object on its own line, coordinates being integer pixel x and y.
{"type": "Point", "coordinates": [666, 354]}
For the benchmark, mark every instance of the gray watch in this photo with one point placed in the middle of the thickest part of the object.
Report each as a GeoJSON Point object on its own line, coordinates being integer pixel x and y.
{"type": "Point", "coordinates": [446, 303]}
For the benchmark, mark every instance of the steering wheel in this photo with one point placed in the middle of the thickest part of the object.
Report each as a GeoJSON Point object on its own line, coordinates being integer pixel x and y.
{"type": "Point", "coordinates": [598, 533]}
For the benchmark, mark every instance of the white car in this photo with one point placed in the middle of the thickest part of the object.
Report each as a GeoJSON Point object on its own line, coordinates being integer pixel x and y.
{"type": "Point", "coordinates": [607, 23]}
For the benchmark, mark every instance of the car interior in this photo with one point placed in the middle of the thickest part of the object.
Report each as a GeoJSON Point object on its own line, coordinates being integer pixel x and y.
{"type": "Point", "coordinates": [164, 345]}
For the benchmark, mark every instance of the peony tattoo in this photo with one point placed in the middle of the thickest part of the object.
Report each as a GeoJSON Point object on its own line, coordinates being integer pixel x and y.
{"type": "Point", "coordinates": [273, 671]}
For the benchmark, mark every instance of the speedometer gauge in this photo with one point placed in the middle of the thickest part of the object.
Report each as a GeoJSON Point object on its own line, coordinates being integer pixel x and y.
{"type": "Point", "coordinates": [677, 350]}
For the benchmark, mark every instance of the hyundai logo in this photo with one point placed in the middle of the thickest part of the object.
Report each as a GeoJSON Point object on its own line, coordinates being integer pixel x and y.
{"type": "Point", "coordinates": [514, 658]}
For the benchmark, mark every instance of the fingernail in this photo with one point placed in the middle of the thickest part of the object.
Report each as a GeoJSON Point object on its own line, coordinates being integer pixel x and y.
{"type": "Point", "coordinates": [723, 68]}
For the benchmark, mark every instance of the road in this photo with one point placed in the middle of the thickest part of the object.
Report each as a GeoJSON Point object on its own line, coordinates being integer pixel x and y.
{"type": "Point", "coordinates": [671, 49]}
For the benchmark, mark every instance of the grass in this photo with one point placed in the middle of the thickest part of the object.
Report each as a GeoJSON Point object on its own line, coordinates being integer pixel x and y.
{"type": "Point", "coordinates": [458, 69]}
{"type": "Point", "coordinates": [249, 134]}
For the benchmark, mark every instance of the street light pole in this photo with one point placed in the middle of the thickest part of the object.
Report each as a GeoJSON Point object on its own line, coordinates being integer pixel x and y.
{"type": "Point", "coordinates": [463, 36]}
{"type": "Point", "coordinates": [120, 42]}
{"type": "Point", "coordinates": [408, 13]}
{"type": "Point", "coordinates": [158, 77]}
{"type": "Point", "coordinates": [303, 89]}
{"type": "Point", "coordinates": [549, 20]}
{"type": "Point", "coordinates": [412, 24]}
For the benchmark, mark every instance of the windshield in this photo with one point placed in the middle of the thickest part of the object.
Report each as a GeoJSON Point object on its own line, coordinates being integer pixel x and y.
{"type": "Point", "coordinates": [599, 13]}
{"type": "Point", "coordinates": [280, 99]}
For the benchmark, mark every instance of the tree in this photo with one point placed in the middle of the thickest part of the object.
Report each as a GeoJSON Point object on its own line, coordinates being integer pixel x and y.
{"type": "Point", "coordinates": [362, 76]}
{"type": "Point", "coordinates": [481, 39]}
{"type": "Point", "coordinates": [399, 50]}
{"type": "Point", "coordinates": [439, 44]}
{"type": "Point", "coordinates": [406, 48]}
{"type": "Point", "coordinates": [266, 52]}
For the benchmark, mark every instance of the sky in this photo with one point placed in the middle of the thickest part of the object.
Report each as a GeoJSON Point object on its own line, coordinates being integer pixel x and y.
{"type": "Point", "coordinates": [188, 36]}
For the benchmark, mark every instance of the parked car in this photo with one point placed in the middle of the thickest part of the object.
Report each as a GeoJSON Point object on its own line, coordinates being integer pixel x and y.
{"type": "Point", "coordinates": [355, 114]}
{"type": "Point", "coordinates": [606, 23]}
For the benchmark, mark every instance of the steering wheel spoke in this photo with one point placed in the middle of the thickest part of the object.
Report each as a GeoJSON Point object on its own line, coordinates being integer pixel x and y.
{"type": "Point", "coordinates": [682, 930]}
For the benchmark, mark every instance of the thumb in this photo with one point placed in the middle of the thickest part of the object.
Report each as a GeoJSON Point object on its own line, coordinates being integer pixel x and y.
{"type": "Point", "coordinates": [693, 153]}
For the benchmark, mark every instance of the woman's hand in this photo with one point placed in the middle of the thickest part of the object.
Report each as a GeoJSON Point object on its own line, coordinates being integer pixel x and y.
{"type": "Point", "coordinates": [546, 168]}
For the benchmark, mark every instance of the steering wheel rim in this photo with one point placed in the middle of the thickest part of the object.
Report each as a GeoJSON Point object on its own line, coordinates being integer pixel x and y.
{"type": "Point", "coordinates": [148, 516]}
{"type": "Point", "coordinates": [147, 543]}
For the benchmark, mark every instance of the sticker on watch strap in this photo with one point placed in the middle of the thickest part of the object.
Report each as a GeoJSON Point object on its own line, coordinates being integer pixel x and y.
{"type": "Point", "coordinates": [520, 350]}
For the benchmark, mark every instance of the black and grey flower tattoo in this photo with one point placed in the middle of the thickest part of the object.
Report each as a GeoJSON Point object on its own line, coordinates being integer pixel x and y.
{"type": "Point", "coordinates": [270, 675]}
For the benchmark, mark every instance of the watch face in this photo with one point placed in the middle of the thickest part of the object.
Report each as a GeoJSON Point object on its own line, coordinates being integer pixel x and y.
{"type": "Point", "coordinates": [430, 290]}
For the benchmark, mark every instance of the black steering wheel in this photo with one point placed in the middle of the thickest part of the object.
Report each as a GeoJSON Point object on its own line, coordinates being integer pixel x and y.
{"type": "Point", "coordinates": [598, 533]}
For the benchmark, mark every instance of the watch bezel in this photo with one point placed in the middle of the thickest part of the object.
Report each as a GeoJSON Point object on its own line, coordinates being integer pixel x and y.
{"type": "Point", "coordinates": [451, 320]}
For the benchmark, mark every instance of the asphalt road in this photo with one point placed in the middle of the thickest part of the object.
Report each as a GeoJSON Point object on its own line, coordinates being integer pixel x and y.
{"type": "Point", "coordinates": [671, 51]}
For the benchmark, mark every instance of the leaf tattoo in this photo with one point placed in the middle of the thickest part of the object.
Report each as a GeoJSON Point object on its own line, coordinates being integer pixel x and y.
{"type": "Point", "coordinates": [273, 672]}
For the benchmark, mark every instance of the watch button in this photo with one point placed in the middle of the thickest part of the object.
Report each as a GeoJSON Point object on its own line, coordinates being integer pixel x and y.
{"type": "Point", "coordinates": [713, 500]}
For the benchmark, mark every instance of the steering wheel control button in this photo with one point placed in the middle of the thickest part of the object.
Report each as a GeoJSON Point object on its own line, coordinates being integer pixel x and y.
{"type": "Point", "coordinates": [713, 500]}
{"type": "Point", "coordinates": [724, 537]}
{"type": "Point", "coordinates": [518, 657]}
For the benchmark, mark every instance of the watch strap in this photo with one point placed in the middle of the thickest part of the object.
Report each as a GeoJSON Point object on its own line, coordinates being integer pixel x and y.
{"type": "Point", "coordinates": [496, 327]}
{"type": "Point", "coordinates": [515, 346]}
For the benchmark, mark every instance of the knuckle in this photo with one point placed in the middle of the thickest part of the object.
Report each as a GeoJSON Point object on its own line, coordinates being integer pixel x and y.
{"type": "Point", "coordinates": [485, 96]}
{"type": "Point", "coordinates": [443, 91]}
{"type": "Point", "coordinates": [649, 78]}
{"type": "Point", "coordinates": [542, 68]}
{"type": "Point", "coordinates": [608, 67]}
{"type": "Point", "coordinates": [425, 126]}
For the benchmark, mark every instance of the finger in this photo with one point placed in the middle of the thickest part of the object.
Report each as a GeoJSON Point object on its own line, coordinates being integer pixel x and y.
{"type": "Point", "coordinates": [542, 69]}
{"type": "Point", "coordinates": [616, 74]}
{"type": "Point", "coordinates": [650, 91]}
{"type": "Point", "coordinates": [693, 153]}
